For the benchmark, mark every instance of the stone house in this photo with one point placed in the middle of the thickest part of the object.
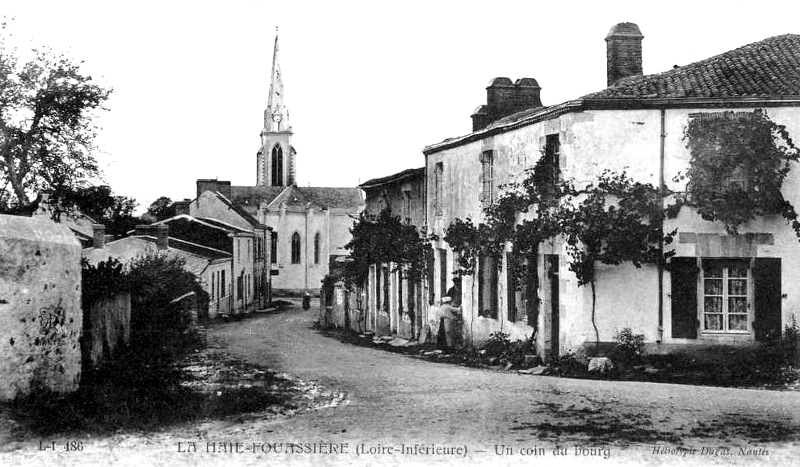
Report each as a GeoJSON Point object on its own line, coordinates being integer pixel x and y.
{"type": "Point", "coordinates": [718, 289]}
{"type": "Point", "coordinates": [212, 266]}
{"type": "Point", "coordinates": [213, 208]}
{"type": "Point", "coordinates": [389, 297]}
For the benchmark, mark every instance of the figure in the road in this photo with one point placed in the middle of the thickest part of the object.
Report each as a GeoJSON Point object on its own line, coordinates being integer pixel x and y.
{"type": "Point", "coordinates": [306, 301]}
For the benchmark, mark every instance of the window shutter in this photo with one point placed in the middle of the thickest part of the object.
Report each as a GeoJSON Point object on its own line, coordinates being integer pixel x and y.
{"type": "Point", "coordinates": [767, 278]}
{"type": "Point", "coordinates": [431, 295]}
{"type": "Point", "coordinates": [684, 297]}
{"type": "Point", "coordinates": [511, 283]}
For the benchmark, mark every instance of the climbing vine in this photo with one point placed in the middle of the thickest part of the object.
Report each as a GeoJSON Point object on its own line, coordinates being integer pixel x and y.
{"type": "Point", "coordinates": [739, 161]}
{"type": "Point", "coordinates": [611, 221]}
{"type": "Point", "coordinates": [384, 239]}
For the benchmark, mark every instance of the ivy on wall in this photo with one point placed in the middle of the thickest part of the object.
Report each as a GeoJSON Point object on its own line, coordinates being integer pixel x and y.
{"type": "Point", "coordinates": [384, 239]}
{"type": "Point", "coordinates": [739, 161]}
{"type": "Point", "coordinates": [611, 221]}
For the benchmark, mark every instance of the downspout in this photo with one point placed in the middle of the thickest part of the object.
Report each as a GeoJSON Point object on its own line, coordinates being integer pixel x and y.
{"type": "Point", "coordinates": [663, 135]}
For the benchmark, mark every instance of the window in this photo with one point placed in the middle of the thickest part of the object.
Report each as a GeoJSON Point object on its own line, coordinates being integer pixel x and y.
{"type": "Point", "coordinates": [552, 155]}
{"type": "Point", "coordinates": [316, 248]}
{"type": "Point", "coordinates": [438, 173]}
{"type": "Point", "coordinates": [295, 248]}
{"type": "Point", "coordinates": [487, 287]}
{"type": "Point", "coordinates": [487, 175]}
{"type": "Point", "coordinates": [213, 279]}
{"type": "Point", "coordinates": [277, 165]}
{"type": "Point", "coordinates": [407, 206]}
{"type": "Point", "coordinates": [726, 295]}
{"type": "Point", "coordinates": [239, 288]}
{"type": "Point", "coordinates": [273, 248]}
{"type": "Point", "coordinates": [222, 284]}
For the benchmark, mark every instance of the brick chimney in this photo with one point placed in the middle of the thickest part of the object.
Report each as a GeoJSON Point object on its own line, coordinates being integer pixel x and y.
{"type": "Point", "coordinates": [206, 184]}
{"type": "Point", "coordinates": [182, 207]}
{"type": "Point", "coordinates": [623, 52]}
{"type": "Point", "coordinates": [98, 236]}
{"type": "Point", "coordinates": [504, 98]}
{"type": "Point", "coordinates": [162, 236]}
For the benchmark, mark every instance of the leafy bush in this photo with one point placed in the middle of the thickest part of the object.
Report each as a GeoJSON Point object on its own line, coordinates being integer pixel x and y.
{"type": "Point", "coordinates": [630, 346]}
{"type": "Point", "coordinates": [155, 280]}
{"type": "Point", "coordinates": [569, 364]}
{"type": "Point", "coordinates": [101, 281]}
{"type": "Point", "coordinates": [496, 345]}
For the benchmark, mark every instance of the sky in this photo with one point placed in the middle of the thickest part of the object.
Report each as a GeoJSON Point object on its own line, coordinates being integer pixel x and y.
{"type": "Point", "coordinates": [368, 84]}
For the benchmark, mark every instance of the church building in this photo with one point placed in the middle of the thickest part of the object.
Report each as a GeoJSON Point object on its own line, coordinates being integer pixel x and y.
{"type": "Point", "coordinates": [310, 225]}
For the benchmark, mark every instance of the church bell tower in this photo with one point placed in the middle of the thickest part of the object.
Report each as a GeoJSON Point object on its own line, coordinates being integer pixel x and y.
{"type": "Point", "coordinates": [276, 158]}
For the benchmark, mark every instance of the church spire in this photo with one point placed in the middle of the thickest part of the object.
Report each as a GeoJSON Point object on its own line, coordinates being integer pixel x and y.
{"type": "Point", "coordinates": [276, 158]}
{"type": "Point", "coordinates": [276, 116]}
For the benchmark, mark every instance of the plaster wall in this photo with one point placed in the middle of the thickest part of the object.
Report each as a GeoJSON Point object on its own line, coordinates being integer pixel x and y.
{"type": "Point", "coordinates": [333, 227]}
{"type": "Point", "coordinates": [40, 307]}
{"type": "Point", "coordinates": [592, 141]}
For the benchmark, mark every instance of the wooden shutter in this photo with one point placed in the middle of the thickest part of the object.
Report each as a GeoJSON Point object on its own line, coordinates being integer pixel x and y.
{"type": "Point", "coordinates": [431, 295]}
{"type": "Point", "coordinates": [511, 283]}
{"type": "Point", "coordinates": [767, 279]}
{"type": "Point", "coordinates": [684, 297]}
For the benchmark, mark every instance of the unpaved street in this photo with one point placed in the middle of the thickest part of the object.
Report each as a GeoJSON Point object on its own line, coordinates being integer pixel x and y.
{"type": "Point", "coordinates": [401, 409]}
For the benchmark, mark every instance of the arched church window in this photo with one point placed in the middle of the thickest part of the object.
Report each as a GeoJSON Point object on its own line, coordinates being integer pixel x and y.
{"type": "Point", "coordinates": [316, 248]}
{"type": "Point", "coordinates": [277, 165]}
{"type": "Point", "coordinates": [295, 248]}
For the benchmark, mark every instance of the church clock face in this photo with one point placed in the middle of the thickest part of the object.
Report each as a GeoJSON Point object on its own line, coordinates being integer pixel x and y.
{"type": "Point", "coordinates": [277, 117]}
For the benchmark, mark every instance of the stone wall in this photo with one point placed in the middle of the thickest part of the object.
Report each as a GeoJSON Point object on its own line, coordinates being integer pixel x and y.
{"type": "Point", "coordinates": [107, 326]}
{"type": "Point", "coordinates": [40, 307]}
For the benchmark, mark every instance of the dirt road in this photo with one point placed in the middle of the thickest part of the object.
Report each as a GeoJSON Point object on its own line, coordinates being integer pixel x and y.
{"type": "Point", "coordinates": [389, 409]}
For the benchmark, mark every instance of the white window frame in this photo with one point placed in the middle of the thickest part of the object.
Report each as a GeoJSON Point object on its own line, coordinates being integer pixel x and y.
{"type": "Point", "coordinates": [725, 298]}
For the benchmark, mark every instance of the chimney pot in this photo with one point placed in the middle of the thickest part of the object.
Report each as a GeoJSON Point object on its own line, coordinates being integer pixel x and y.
{"type": "Point", "coordinates": [99, 236]}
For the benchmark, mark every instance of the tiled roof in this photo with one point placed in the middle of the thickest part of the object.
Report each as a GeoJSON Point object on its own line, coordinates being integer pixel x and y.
{"type": "Point", "coordinates": [247, 216]}
{"type": "Point", "coordinates": [216, 223]}
{"type": "Point", "coordinates": [249, 197]}
{"type": "Point", "coordinates": [408, 173]}
{"type": "Point", "coordinates": [768, 68]}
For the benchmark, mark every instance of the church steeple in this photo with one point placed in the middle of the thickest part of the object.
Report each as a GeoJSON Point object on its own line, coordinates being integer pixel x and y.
{"type": "Point", "coordinates": [276, 116]}
{"type": "Point", "coordinates": [275, 160]}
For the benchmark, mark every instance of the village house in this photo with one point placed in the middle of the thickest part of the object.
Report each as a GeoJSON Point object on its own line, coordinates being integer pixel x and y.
{"type": "Point", "coordinates": [251, 238]}
{"type": "Point", "coordinates": [212, 266]}
{"type": "Point", "coordinates": [310, 225]}
{"type": "Point", "coordinates": [719, 288]}
{"type": "Point", "coordinates": [390, 298]}
{"type": "Point", "coordinates": [247, 247]}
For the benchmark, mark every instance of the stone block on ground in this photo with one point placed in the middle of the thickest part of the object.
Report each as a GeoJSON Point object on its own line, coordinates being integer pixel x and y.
{"type": "Point", "coordinates": [398, 342]}
{"type": "Point", "coordinates": [600, 365]}
{"type": "Point", "coordinates": [531, 361]}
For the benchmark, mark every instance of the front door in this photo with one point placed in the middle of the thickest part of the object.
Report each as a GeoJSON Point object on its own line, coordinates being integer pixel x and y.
{"type": "Point", "coordinates": [551, 262]}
